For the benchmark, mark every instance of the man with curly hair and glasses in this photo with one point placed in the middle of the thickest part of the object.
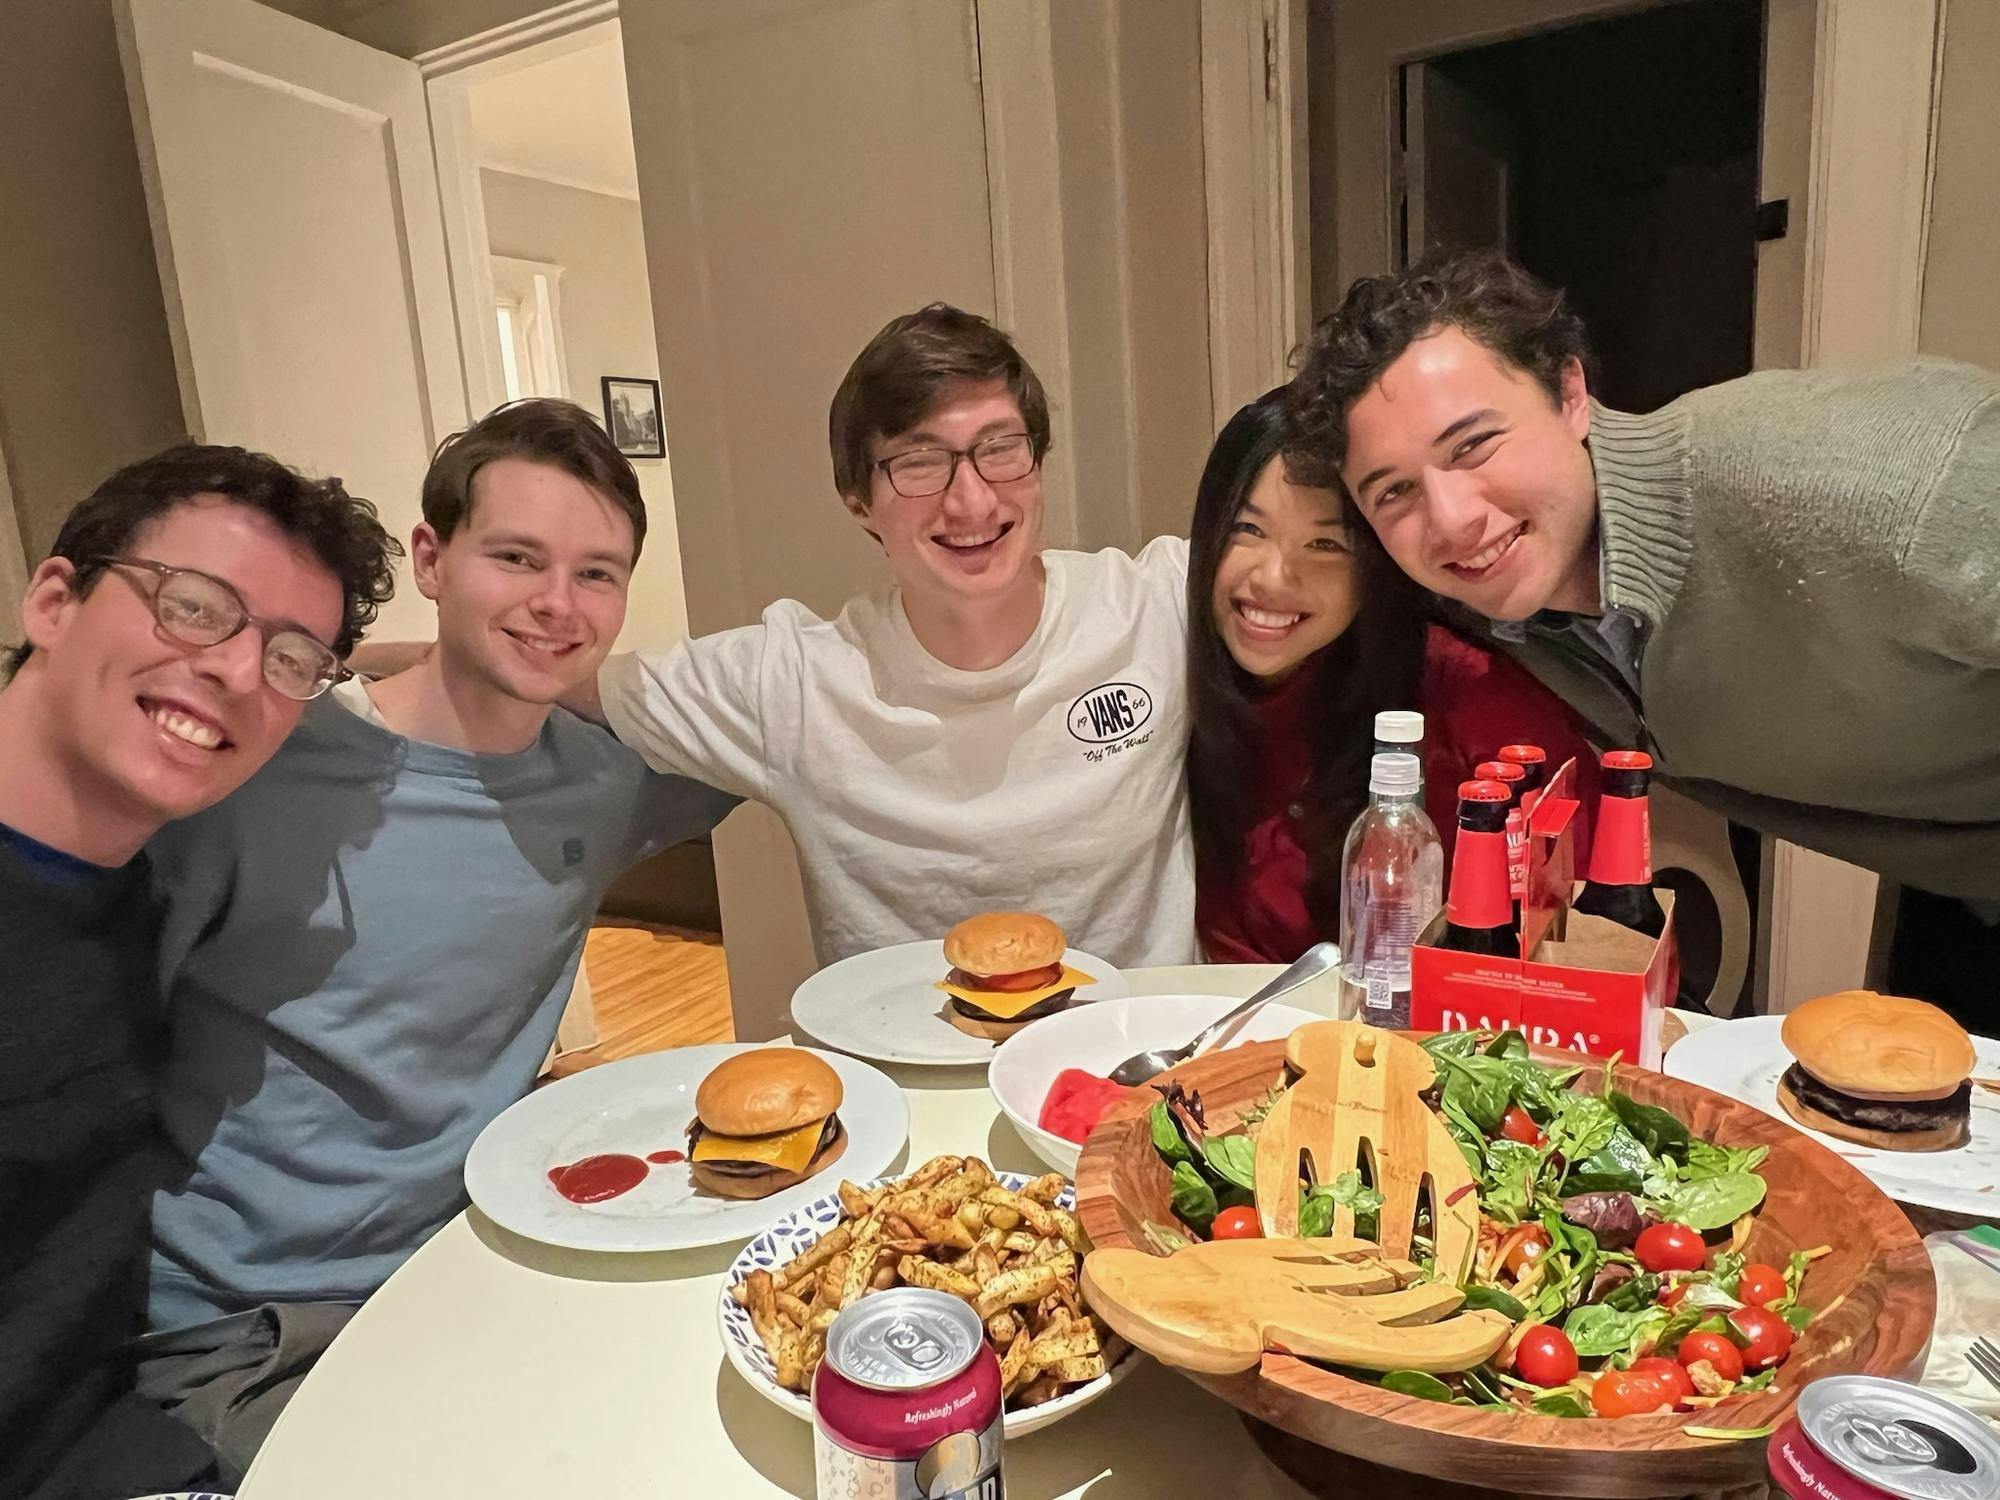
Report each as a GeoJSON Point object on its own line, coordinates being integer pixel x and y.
{"type": "Point", "coordinates": [368, 949]}
{"type": "Point", "coordinates": [1785, 587]}
{"type": "Point", "coordinates": [189, 610]}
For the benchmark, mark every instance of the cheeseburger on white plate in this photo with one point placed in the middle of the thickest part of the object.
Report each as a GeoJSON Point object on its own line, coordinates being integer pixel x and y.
{"type": "Point", "coordinates": [1007, 969]}
{"type": "Point", "coordinates": [1879, 1070]}
{"type": "Point", "coordinates": [765, 1120]}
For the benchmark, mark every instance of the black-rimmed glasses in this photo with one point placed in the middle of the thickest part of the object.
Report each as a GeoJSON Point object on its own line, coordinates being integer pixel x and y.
{"type": "Point", "coordinates": [923, 472]}
{"type": "Point", "coordinates": [197, 609]}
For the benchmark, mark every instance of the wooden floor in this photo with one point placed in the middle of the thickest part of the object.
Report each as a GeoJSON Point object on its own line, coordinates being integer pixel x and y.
{"type": "Point", "coordinates": [653, 988]}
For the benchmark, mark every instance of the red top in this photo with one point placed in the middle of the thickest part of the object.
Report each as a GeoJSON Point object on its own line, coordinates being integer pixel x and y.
{"type": "Point", "coordinates": [1473, 701]}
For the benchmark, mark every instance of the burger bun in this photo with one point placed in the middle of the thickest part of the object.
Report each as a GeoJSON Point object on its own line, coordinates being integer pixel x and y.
{"type": "Point", "coordinates": [1879, 1046]}
{"type": "Point", "coordinates": [766, 1091]}
{"type": "Point", "coordinates": [1004, 942]}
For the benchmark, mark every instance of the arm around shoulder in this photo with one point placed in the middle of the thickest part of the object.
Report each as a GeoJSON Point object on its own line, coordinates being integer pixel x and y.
{"type": "Point", "coordinates": [697, 709]}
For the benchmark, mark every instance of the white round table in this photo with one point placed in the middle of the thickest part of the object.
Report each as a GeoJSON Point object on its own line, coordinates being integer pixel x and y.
{"type": "Point", "coordinates": [495, 1367]}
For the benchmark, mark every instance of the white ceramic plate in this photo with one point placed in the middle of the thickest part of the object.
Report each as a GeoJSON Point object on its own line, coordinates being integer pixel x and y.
{"type": "Point", "coordinates": [886, 1005]}
{"type": "Point", "coordinates": [1744, 1060]}
{"type": "Point", "coordinates": [639, 1106]}
{"type": "Point", "coordinates": [798, 1232]}
{"type": "Point", "coordinates": [1097, 1038]}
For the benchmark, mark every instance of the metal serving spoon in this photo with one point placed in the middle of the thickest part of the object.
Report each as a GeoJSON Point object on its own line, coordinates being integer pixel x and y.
{"type": "Point", "coordinates": [1141, 1066]}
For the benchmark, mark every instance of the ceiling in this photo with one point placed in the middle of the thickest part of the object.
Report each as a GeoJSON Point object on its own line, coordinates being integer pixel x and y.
{"type": "Point", "coordinates": [564, 120]}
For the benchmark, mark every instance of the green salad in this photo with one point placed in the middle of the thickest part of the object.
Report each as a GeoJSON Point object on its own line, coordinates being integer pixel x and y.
{"type": "Point", "coordinates": [1608, 1232]}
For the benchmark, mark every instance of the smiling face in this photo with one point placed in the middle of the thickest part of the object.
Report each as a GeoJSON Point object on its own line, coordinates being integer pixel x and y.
{"type": "Point", "coordinates": [531, 588]}
{"type": "Point", "coordinates": [1478, 483]}
{"type": "Point", "coordinates": [977, 541]}
{"type": "Point", "coordinates": [154, 728]}
{"type": "Point", "coordinates": [1287, 582]}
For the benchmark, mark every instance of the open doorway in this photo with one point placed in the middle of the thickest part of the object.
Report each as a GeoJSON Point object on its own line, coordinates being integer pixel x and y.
{"type": "Point", "coordinates": [1615, 158]}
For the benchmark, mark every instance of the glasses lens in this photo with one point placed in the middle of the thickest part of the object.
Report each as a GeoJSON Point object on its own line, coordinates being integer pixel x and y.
{"type": "Point", "coordinates": [924, 472]}
{"type": "Point", "coordinates": [299, 666]}
{"type": "Point", "coordinates": [1003, 458]}
{"type": "Point", "coordinates": [197, 610]}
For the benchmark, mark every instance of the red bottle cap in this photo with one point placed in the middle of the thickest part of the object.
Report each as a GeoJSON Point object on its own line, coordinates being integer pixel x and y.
{"type": "Point", "coordinates": [1484, 791]}
{"type": "Point", "coordinates": [1525, 755]}
{"type": "Point", "coordinates": [1627, 760]}
{"type": "Point", "coordinates": [1499, 770]}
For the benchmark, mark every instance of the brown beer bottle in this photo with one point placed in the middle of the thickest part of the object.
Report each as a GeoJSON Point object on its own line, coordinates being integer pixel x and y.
{"type": "Point", "coordinates": [1479, 911]}
{"type": "Point", "coordinates": [1621, 848]}
{"type": "Point", "coordinates": [1533, 761]}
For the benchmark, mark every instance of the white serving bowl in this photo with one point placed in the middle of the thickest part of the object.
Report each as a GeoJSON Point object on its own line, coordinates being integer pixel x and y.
{"type": "Point", "coordinates": [1100, 1036]}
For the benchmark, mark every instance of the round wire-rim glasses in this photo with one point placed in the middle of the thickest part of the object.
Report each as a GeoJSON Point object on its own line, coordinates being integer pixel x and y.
{"type": "Point", "coordinates": [198, 609]}
{"type": "Point", "coordinates": [923, 472]}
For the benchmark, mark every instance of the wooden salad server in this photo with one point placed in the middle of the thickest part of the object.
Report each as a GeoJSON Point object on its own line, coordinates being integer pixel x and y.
{"type": "Point", "coordinates": [1358, 1104]}
{"type": "Point", "coordinates": [1215, 1308]}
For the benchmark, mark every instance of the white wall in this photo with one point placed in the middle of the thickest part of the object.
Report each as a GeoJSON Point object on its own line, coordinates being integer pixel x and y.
{"type": "Point", "coordinates": [607, 329]}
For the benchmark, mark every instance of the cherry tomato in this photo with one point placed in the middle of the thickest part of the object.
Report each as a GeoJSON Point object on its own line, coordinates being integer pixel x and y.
{"type": "Point", "coordinates": [1766, 1337]}
{"type": "Point", "coordinates": [1674, 1375]}
{"type": "Point", "coordinates": [1523, 1245]}
{"type": "Point", "coordinates": [1237, 1224]}
{"type": "Point", "coordinates": [1545, 1356]}
{"type": "Point", "coordinates": [1672, 1292]}
{"type": "Point", "coordinates": [1670, 1247]}
{"type": "Point", "coordinates": [1518, 1125]}
{"type": "Point", "coordinates": [1722, 1356]}
{"type": "Point", "coordinates": [1760, 1285]}
{"type": "Point", "coordinates": [1630, 1393]}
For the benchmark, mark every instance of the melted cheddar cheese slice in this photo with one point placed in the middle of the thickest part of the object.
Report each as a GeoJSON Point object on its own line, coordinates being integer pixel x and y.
{"type": "Point", "coordinates": [1008, 1005]}
{"type": "Point", "coordinates": [788, 1150]}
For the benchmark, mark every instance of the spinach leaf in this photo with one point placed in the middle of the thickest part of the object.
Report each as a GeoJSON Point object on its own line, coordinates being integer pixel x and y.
{"type": "Point", "coordinates": [1705, 1159]}
{"type": "Point", "coordinates": [1365, 1201]}
{"type": "Point", "coordinates": [1167, 1137]}
{"type": "Point", "coordinates": [1481, 1383]}
{"type": "Point", "coordinates": [1684, 1321]}
{"type": "Point", "coordinates": [1641, 1291]}
{"type": "Point", "coordinates": [1233, 1158]}
{"type": "Point", "coordinates": [1561, 1404]}
{"type": "Point", "coordinates": [1655, 1129]}
{"type": "Point", "coordinates": [1417, 1383]}
{"type": "Point", "coordinates": [1482, 1087]}
{"type": "Point", "coordinates": [1478, 1296]}
{"type": "Point", "coordinates": [1194, 1200]}
{"type": "Point", "coordinates": [1761, 1381]}
{"type": "Point", "coordinates": [1622, 1164]}
{"type": "Point", "coordinates": [1583, 1126]}
{"type": "Point", "coordinates": [1797, 1316]}
{"type": "Point", "coordinates": [1471, 1143]}
{"type": "Point", "coordinates": [1596, 1330]}
{"type": "Point", "coordinates": [1712, 1202]}
{"type": "Point", "coordinates": [1445, 1044]}
{"type": "Point", "coordinates": [1511, 1169]}
{"type": "Point", "coordinates": [1316, 1213]}
{"type": "Point", "coordinates": [1509, 1043]}
{"type": "Point", "coordinates": [1708, 1296]}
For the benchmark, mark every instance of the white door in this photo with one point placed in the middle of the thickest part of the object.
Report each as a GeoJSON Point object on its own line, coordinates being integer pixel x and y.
{"type": "Point", "coordinates": [807, 170]}
{"type": "Point", "coordinates": [295, 213]}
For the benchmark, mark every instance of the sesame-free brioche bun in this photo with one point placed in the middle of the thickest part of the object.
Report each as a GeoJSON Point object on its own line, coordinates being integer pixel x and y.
{"type": "Point", "coordinates": [766, 1091]}
{"type": "Point", "coordinates": [1880, 1046]}
{"type": "Point", "coordinates": [1004, 942]}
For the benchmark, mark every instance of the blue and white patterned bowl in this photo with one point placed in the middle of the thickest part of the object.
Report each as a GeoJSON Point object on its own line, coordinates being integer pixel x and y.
{"type": "Point", "coordinates": [798, 1232]}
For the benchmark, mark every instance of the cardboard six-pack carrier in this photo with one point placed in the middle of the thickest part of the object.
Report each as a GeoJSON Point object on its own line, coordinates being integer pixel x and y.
{"type": "Point", "coordinates": [1585, 983]}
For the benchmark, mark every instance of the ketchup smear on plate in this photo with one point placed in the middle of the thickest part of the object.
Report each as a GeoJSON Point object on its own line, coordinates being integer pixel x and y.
{"type": "Point", "coordinates": [597, 1178]}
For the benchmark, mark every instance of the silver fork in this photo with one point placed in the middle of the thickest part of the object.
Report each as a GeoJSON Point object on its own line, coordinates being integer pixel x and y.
{"type": "Point", "coordinates": [1986, 1360]}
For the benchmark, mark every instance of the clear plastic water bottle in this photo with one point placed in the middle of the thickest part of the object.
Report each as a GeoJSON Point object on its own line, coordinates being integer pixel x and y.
{"type": "Point", "coordinates": [1391, 884]}
{"type": "Point", "coordinates": [1400, 731]}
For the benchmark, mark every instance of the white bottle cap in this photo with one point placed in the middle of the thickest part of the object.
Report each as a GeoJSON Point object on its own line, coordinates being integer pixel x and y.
{"type": "Point", "coordinates": [1399, 726]}
{"type": "Point", "coordinates": [1395, 775]}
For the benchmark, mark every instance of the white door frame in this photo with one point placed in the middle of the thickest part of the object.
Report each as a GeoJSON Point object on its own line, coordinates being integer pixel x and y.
{"type": "Point", "coordinates": [15, 564]}
{"type": "Point", "coordinates": [1866, 226]}
{"type": "Point", "coordinates": [449, 74]}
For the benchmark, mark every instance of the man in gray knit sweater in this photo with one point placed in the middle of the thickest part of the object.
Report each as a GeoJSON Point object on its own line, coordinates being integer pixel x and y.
{"type": "Point", "coordinates": [1785, 587]}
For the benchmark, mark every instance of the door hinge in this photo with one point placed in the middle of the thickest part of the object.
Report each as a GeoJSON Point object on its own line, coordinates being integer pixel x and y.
{"type": "Point", "coordinates": [972, 37]}
{"type": "Point", "coordinates": [1270, 58]}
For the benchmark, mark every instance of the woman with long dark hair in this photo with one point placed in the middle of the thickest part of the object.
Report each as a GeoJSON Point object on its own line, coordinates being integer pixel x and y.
{"type": "Point", "coordinates": [1300, 629]}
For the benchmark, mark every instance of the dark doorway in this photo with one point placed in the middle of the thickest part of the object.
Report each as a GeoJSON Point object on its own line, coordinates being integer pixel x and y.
{"type": "Point", "coordinates": [1617, 159]}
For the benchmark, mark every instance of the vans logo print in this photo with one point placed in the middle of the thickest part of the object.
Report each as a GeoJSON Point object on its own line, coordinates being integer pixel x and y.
{"type": "Point", "coordinates": [1110, 712]}
{"type": "Point", "coordinates": [572, 853]}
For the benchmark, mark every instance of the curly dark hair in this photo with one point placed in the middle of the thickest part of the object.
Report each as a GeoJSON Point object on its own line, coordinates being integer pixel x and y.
{"type": "Point", "coordinates": [896, 380]}
{"type": "Point", "coordinates": [339, 529]}
{"type": "Point", "coordinates": [1481, 292]}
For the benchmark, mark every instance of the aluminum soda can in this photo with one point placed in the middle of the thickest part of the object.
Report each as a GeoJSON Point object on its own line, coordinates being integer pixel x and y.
{"type": "Point", "coordinates": [906, 1402]}
{"type": "Point", "coordinates": [1859, 1437]}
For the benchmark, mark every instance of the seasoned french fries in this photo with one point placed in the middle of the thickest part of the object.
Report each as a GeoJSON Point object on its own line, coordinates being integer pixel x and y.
{"type": "Point", "coordinates": [950, 1226]}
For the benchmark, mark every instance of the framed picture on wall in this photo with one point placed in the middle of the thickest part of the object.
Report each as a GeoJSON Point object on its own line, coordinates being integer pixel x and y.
{"type": "Point", "coordinates": [632, 416]}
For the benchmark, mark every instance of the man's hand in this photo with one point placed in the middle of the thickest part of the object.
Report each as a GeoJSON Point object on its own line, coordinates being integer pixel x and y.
{"type": "Point", "coordinates": [386, 658]}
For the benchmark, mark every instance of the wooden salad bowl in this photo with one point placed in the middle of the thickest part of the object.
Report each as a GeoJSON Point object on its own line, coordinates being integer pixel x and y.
{"type": "Point", "coordinates": [1878, 1269]}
